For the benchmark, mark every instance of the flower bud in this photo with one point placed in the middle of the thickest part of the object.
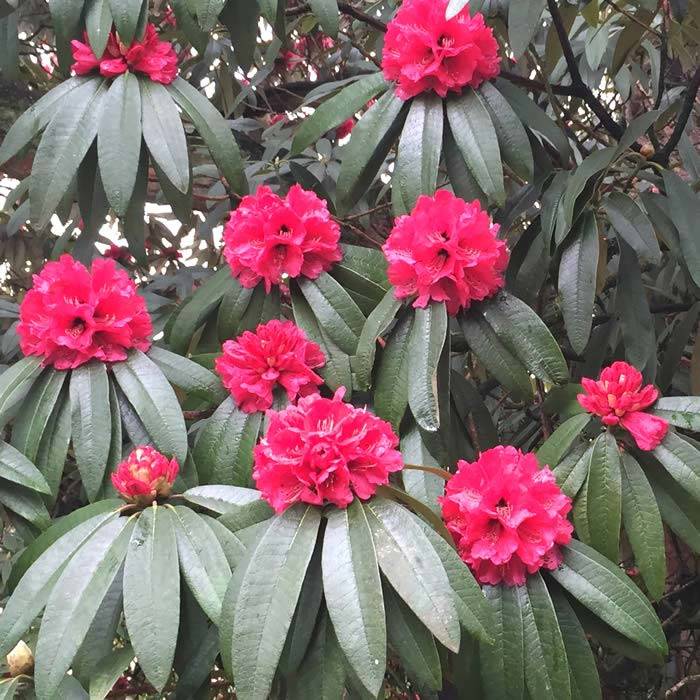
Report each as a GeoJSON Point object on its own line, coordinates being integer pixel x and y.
{"type": "Point", "coordinates": [145, 475]}
{"type": "Point", "coordinates": [20, 660]}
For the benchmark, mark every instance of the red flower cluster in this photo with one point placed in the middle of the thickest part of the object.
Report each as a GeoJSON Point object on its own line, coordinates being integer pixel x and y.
{"type": "Point", "coordinates": [324, 451]}
{"type": "Point", "coordinates": [506, 515]}
{"type": "Point", "coordinates": [619, 399]}
{"type": "Point", "coordinates": [269, 238]}
{"type": "Point", "coordinates": [447, 250]}
{"type": "Point", "coordinates": [277, 354]}
{"type": "Point", "coordinates": [73, 315]}
{"type": "Point", "coordinates": [145, 475]}
{"type": "Point", "coordinates": [424, 51]}
{"type": "Point", "coordinates": [153, 57]}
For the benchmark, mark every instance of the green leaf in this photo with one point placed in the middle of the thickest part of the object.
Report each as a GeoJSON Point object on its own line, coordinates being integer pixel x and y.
{"type": "Point", "coordinates": [577, 281]}
{"type": "Point", "coordinates": [425, 345]}
{"type": "Point", "coordinates": [338, 315]}
{"type": "Point", "coordinates": [682, 461]}
{"type": "Point", "coordinates": [326, 11]}
{"type": "Point", "coordinates": [221, 499]}
{"type": "Point", "coordinates": [681, 411]}
{"type": "Point", "coordinates": [63, 146]}
{"type": "Point", "coordinates": [375, 325]}
{"type": "Point", "coordinates": [164, 135]}
{"type": "Point", "coordinates": [632, 225]}
{"type": "Point", "coordinates": [194, 312]}
{"type": "Point", "coordinates": [418, 156]}
{"type": "Point", "coordinates": [74, 601]}
{"type": "Point", "coordinates": [232, 309]}
{"type": "Point", "coordinates": [35, 413]}
{"type": "Point", "coordinates": [422, 485]}
{"type": "Point", "coordinates": [9, 688]}
{"type": "Point", "coordinates": [216, 133]}
{"type": "Point", "coordinates": [224, 449]}
{"type": "Point", "coordinates": [572, 471]}
{"type": "Point", "coordinates": [461, 179]}
{"type": "Point", "coordinates": [134, 226]}
{"type": "Point", "coordinates": [202, 561]}
{"type": "Point", "coordinates": [362, 272]}
{"type": "Point", "coordinates": [337, 109]}
{"type": "Point", "coordinates": [684, 211]}
{"type": "Point", "coordinates": [524, 19]}
{"type": "Point", "coordinates": [413, 568]}
{"type": "Point", "coordinates": [188, 375]}
{"type": "Point", "coordinates": [25, 503]}
{"type": "Point", "coordinates": [126, 18]}
{"type": "Point", "coordinates": [503, 663]}
{"type": "Point", "coordinates": [583, 673]}
{"type": "Point", "coordinates": [600, 586]}
{"type": "Point", "coordinates": [413, 643]}
{"type": "Point", "coordinates": [208, 12]}
{"type": "Point", "coordinates": [391, 383]}
{"type": "Point", "coordinates": [527, 337]}
{"type": "Point", "coordinates": [603, 496]}
{"type": "Point", "coordinates": [546, 666]}
{"type": "Point", "coordinates": [152, 593]}
{"type": "Point", "coordinates": [642, 521]}
{"type": "Point", "coordinates": [119, 140]}
{"type": "Point", "coordinates": [15, 383]}
{"type": "Point", "coordinates": [35, 119]}
{"type": "Point", "coordinates": [16, 468]}
{"type": "Point", "coordinates": [369, 144]}
{"type": "Point", "coordinates": [91, 423]}
{"type": "Point", "coordinates": [108, 671]}
{"type": "Point", "coordinates": [155, 403]}
{"type": "Point", "coordinates": [559, 442]}
{"type": "Point", "coordinates": [42, 562]}
{"type": "Point", "coordinates": [495, 356]}
{"type": "Point", "coordinates": [353, 593]}
{"type": "Point", "coordinates": [512, 138]}
{"type": "Point", "coordinates": [98, 23]}
{"type": "Point", "coordinates": [268, 589]}
{"type": "Point", "coordinates": [241, 17]}
{"type": "Point", "coordinates": [475, 135]}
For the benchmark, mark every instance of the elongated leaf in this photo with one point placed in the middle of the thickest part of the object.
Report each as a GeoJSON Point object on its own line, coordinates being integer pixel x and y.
{"type": "Point", "coordinates": [15, 383]}
{"type": "Point", "coordinates": [63, 146]}
{"type": "Point", "coordinates": [600, 586]}
{"type": "Point", "coordinates": [371, 140]}
{"type": "Point", "coordinates": [155, 403]}
{"type": "Point", "coordinates": [241, 18]}
{"type": "Point", "coordinates": [413, 568]}
{"type": "Point", "coordinates": [633, 225]}
{"type": "Point", "coordinates": [126, 17]}
{"type": "Point", "coordinates": [642, 521]}
{"type": "Point", "coordinates": [422, 485]}
{"type": "Point", "coordinates": [221, 499]}
{"type": "Point", "coordinates": [603, 497]}
{"type": "Point", "coordinates": [419, 149]}
{"type": "Point", "coordinates": [152, 593]}
{"type": "Point", "coordinates": [682, 411]}
{"type": "Point", "coordinates": [91, 421]}
{"type": "Point", "coordinates": [337, 313]}
{"type": "Point", "coordinates": [232, 309]}
{"type": "Point", "coordinates": [98, 23]}
{"type": "Point", "coordinates": [353, 593]}
{"type": "Point", "coordinates": [188, 375]}
{"type": "Point", "coordinates": [119, 140]}
{"type": "Point", "coordinates": [475, 135]}
{"type": "Point", "coordinates": [74, 601]}
{"type": "Point", "coordinates": [268, 589]}
{"type": "Point", "coordinates": [524, 19]}
{"type": "Point", "coordinates": [572, 471]}
{"type": "Point", "coordinates": [337, 109]}
{"type": "Point", "coordinates": [202, 561]}
{"type": "Point", "coordinates": [16, 468]}
{"type": "Point", "coordinates": [108, 671]}
{"type": "Point", "coordinates": [682, 461]}
{"type": "Point", "coordinates": [577, 281]}
{"type": "Point", "coordinates": [164, 135]}
{"type": "Point", "coordinates": [425, 345]}
{"type": "Point", "coordinates": [527, 337]}
{"type": "Point", "coordinates": [326, 11]}
{"type": "Point", "coordinates": [546, 666]}
{"type": "Point", "coordinates": [213, 128]}
{"type": "Point", "coordinates": [561, 439]}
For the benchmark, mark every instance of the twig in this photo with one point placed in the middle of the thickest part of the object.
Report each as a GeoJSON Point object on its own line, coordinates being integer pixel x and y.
{"type": "Point", "coordinates": [347, 9]}
{"type": "Point", "coordinates": [688, 680]}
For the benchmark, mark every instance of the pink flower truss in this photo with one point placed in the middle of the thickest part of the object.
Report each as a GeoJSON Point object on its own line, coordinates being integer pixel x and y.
{"type": "Point", "coordinates": [73, 314]}
{"type": "Point", "coordinates": [507, 516]}
{"type": "Point", "coordinates": [447, 250]}
{"type": "Point", "coordinates": [619, 399]}
{"type": "Point", "coordinates": [324, 451]}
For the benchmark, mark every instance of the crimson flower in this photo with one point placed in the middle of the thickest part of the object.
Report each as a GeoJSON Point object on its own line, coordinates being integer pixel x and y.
{"type": "Point", "coordinates": [324, 451]}
{"type": "Point", "coordinates": [155, 58]}
{"type": "Point", "coordinates": [270, 238]}
{"type": "Point", "coordinates": [619, 398]}
{"type": "Point", "coordinates": [118, 253]}
{"type": "Point", "coordinates": [424, 51]}
{"type": "Point", "coordinates": [345, 128]}
{"type": "Point", "coordinates": [145, 475]}
{"type": "Point", "coordinates": [507, 516]}
{"type": "Point", "coordinates": [277, 354]}
{"type": "Point", "coordinates": [73, 314]}
{"type": "Point", "coordinates": [447, 250]}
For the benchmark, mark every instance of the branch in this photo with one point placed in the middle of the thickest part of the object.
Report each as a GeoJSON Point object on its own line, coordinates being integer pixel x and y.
{"type": "Point", "coordinates": [596, 106]}
{"type": "Point", "coordinates": [568, 90]}
{"type": "Point", "coordinates": [664, 154]}
{"type": "Point", "coordinates": [347, 9]}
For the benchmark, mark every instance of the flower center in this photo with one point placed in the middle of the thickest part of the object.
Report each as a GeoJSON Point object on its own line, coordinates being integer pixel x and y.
{"type": "Point", "coordinates": [76, 328]}
{"type": "Point", "coordinates": [444, 41]}
{"type": "Point", "coordinates": [502, 508]}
